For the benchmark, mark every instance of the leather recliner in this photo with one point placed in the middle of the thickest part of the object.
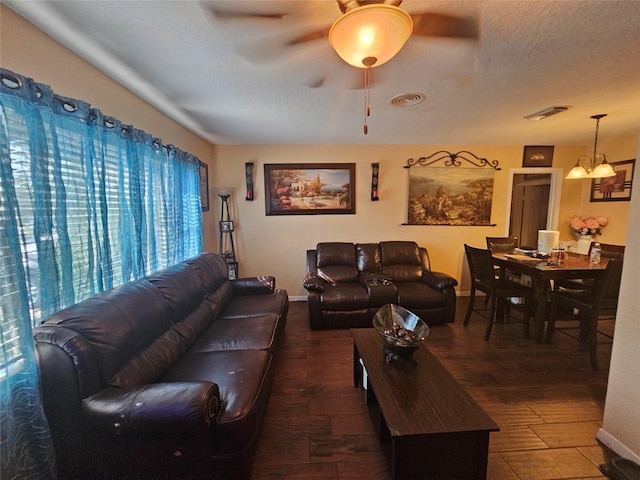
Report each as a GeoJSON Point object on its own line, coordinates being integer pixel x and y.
{"type": "Point", "coordinates": [347, 283]}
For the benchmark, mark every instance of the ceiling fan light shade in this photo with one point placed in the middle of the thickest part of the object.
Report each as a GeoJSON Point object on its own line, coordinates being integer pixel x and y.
{"type": "Point", "coordinates": [375, 31]}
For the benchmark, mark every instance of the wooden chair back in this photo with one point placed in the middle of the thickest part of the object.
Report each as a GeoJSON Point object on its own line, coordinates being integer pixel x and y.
{"type": "Point", "coordinates": [502, 244]}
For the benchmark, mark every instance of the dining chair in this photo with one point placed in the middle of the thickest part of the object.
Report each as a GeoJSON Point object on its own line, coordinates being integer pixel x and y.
{"type": "Point", "coordinates": [502, 244]}
{"type": "Point", "coordinates": [607, 251]}
{"type": "Point", "coordinates": [589, 302]}
{"type": "Point", "coordinates": [498, 289]}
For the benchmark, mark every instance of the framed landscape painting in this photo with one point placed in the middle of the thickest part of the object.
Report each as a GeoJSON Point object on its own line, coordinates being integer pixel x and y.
{"type": "Point", "coordinates": [309, 188]}
{"type": "Point", "coordinates": [450, 196]}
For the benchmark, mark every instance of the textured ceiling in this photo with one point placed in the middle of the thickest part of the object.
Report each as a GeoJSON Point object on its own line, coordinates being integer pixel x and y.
{"type": "Point", "coordinates": [235, 81]}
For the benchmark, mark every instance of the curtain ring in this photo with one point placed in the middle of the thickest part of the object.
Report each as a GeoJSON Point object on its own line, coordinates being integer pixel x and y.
{"type": "Point", "coordinates": [11, 82]}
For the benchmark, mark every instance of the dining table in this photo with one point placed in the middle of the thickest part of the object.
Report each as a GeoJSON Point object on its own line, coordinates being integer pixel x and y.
{"type": "Point", "coordinates": [546, 276]}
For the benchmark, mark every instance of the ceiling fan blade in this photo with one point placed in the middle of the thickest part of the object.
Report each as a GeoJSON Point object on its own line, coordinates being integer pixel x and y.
{"type": "Point", "coordinates": [223, 14]}
{"type": "Point", "coordinates": [346, 5]}
{"type": "Point", "coordinates": [441, 25]}
{"type": "Point", "coordinates": [310, 37]}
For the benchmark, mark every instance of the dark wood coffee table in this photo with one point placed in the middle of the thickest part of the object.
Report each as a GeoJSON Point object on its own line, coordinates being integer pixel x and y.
{"type": "Point", "coordinates": [429, 427]}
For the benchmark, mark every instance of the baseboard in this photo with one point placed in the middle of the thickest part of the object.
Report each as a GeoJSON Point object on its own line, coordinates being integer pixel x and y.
{"type": "Point", "coordinates": [616, 446]}
{"type": "Point", "coordinates": [302, 298]}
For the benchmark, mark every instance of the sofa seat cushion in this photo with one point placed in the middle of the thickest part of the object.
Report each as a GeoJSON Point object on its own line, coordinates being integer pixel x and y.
{"type": "Point", "coordinates": [419, 295]}
{"type": "Point", "coordinates": [257, 305]}
{"type": "Point", "coordinates": [243, 378]}
{"type": "Point", "coordinates": [231, 334]}
{"type": "Point", "coordinates": [345, 297]}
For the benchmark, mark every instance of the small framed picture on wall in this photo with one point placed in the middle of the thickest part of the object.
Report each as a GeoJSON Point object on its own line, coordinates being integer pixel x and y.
{"type": "Point", "coordinates": [538, 156]}
{"type": "Point", "coordinates": [204, 186]}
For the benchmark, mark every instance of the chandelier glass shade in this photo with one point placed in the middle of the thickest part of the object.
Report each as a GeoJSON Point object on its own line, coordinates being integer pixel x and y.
{"type": "Point", "coordinates": [371, 35]}
{"type": "Point", "coordinates": [596, 166]}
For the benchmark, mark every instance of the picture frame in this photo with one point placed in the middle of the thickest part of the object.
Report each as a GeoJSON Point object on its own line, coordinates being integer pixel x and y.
{"type": "Point", "coordinates": [232, 268]}
{"type": "Point", "coordinates": [537, 156]}
{"type": "Point", "coordinates": [309, 188]}
{"type": "Point", "coordinates": [226, 226]}
{"type": "Point", "coordinates": [204, 186]}
{"type": "Point", "coordinates": [614, 189]}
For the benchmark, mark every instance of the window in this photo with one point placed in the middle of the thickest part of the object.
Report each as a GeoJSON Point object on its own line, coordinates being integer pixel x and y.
{"type": "Point", "coordinates": [86, 203]}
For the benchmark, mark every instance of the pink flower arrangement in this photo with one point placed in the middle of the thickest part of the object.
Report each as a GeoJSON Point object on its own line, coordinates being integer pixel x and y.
{"type": "Point", "coordinates": [588, 225]}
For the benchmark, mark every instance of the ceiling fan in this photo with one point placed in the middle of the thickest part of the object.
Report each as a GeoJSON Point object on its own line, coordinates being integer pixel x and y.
{"type": "Point", "coordinates": [371, 32]}
{"type": "Point", "coordinates": [396, 25]}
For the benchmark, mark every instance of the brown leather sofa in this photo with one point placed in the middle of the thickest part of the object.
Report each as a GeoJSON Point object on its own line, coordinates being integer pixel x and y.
{"type": "Point", "coordinates": [347, 283]}
{"type": "Point", "coordinates": [164, 377]}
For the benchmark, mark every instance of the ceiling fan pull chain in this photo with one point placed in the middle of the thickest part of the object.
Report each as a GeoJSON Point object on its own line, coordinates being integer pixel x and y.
{"type": "Point", "coordinates": [367, 107]}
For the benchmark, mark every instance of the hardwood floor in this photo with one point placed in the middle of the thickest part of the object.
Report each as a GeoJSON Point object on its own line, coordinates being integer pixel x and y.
{"type": "Point", "coordinates": [545, 398]}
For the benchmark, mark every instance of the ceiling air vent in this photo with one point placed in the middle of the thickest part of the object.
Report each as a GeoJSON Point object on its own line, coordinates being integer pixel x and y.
{"type": "Point", "coordinates": [547, 112]}
{"type": "Point", "coordinates": [407, 99]}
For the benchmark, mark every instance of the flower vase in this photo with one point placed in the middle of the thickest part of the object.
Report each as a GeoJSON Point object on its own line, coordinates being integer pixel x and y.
{"type": "Point", "coordinates": [584, 242]}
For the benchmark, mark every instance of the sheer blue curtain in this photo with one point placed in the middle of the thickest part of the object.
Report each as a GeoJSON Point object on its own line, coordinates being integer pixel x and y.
{"type": "Point", "coordinates": [86, 203]}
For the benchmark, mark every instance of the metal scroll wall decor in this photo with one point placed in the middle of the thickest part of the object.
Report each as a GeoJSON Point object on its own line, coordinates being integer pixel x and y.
{"type": "Point", "coordinates": [458, 192]}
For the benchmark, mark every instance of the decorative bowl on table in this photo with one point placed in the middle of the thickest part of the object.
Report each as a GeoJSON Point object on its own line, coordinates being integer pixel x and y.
{"type": "Point", "coordinates": [401, 331]}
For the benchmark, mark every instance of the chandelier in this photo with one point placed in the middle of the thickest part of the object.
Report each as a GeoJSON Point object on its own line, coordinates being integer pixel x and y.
{"type": "Point", "coordinates": [597, 166]}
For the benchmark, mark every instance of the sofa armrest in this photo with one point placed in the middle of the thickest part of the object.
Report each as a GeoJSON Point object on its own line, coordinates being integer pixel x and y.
{"type": "Point", "coordinates": [253, 285]}
{"type": "Point", "coordinates": [313, 283]}
{"type": "Point", "coordinates": [439, 280]}
{"type": "Point", "coordinates": [159, 408]}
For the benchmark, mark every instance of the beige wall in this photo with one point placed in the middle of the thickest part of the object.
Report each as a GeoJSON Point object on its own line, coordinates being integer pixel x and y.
{"type": "Point", "coordinates": [621, 422]}
{"type": "Point", "coordinates": [276, 244]}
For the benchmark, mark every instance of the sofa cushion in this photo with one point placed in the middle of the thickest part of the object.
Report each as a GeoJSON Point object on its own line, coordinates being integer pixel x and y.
{"type": "Point", "coordinates": [334, 274]}
{"type": "Point", "coordinates": [401, 261]}
{"type": "Point", "coordinates": [217, 301]}
{"type": "Point", "coordinates": [231, 334]}
{"type": "Point", "coordinates": [181, 287]}
{"type": "Point", "coordinates": [345, 297]}
{"type": "Point", "coordinates": [257, 305]}
{"type": "Point", "coordinates": [368, 257]}
{"type": "Point", "coordinates": [336, 262]}
{"type": "Point", "coordinates": [419, 295]}
{"type": "Point", "coordinates": [118, 323]}
{"type": "Point", "coordinates": [336, 253]}
{"type": "Point", "coordinates": [212, 270]}
{"type": "Point", "coordinates": [152, 362]}
{"type": "Point", "coordinates": [194, 324]}
{"type": "Point", "coordinates": [243, 378]}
